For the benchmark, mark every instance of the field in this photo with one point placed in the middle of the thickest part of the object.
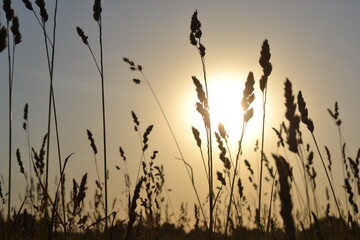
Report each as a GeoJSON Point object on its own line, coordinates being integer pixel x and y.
{"type": "Point", "coordinates": [301, 189]}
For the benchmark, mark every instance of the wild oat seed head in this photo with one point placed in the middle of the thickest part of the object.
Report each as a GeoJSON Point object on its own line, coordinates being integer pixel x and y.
{"type": "Point", "coordinates": [122, 153]}
{"type": "Point", "coordinates": [92, 141]}
{"type": "Point", "coordinates": [265, 64]}
{"type": "Point", "coordinates": [351, 195]}
{"type": "Point", "coordinates": [204, 113]}
{"type": "Point", "coordinates": [3, 35]}
{"type": "Point", "coordinates": [196, 134]}
{"type": "Point", "coordinates": [26, 110]}
{"type": "Point", "coordinates": [221, 178]}
{"type": "Point", "coordinates": [15, 30]}
{"type": "Point", "coordinates": [154, 155]}
{"type": "Point", "coordinates": [285, 196]}
{"type": "Point", "coordinates": [136, 81]}
{"type": "Point", "coordinates": [18, 157]}
{"type": "Point", "coordinates": [195, 23]}
{"type": "Point", "coordinates": [222, 154]}
{"type": "Point", "coordinates": [241, 188]}
{"type": "Point", "coordinates": [200, 92]}
{"type": "Point", "coordinates": [304, 112]}
{"type": "Point", "coordinates": [248, 165]}
{"type": "Point", "coordinates": [248, 95]}
{"type": "Point", "coordinates": [8, 10]}
{"type": "Point", "coordinates": [43, 12]}
{"type": "Point", "coordinates": [81, 33]}
{"type": "Point", "coordinates": [289, 101]}
{"type": "Point", "coordinates": [28, 4]}
{"type": "Point", "coordinates": [97, 10]}
{"type": "Point", "coordinates": [127, 60]}
{"type": "Point", "coordinates": [146, 134]}
{"type": "Point", "coordinates": [292, 140]}
{"type": "Point", "coordinates": [193, 40]}
{"type": "Point", "coordinates": [265, 56]}
{"type": "Point", "coordinates": [201, 50]}
{"type": "Point", "coordinates": [135, 120]}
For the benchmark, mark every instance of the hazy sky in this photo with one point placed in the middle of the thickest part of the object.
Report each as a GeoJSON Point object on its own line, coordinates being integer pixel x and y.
{"type": "Point", "coordinates": [316, 44]}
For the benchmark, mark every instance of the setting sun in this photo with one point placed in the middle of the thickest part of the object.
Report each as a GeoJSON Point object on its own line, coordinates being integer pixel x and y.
{"type": "Point", "coordinates": [225, 95]}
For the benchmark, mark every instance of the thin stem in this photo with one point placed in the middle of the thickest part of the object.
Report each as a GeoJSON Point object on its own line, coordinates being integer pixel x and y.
{"type": "Point", "coordinates": [49, 120]}
{"type": "Point", "coordinates": [343, 166]}
{"type": "Point", "coordinates": [203, 161]}
{"type": "Point", "coordinates": [182, 158]}
{"type": "Point", "coordinates": [264, 93]}
{"type": "Point", "coordinates": [210, 158]}
{"type": "Point", "coordinates": [42, 27]}
{"type": "Point", "coordinates": [235, 173]}
{"type": "Point", "coordinates": [327, 175]}
{"type": "Point", "coordinates": [103, 121]}
{"type": "Point", "coordinates": [93, 56]}
{"type": "Point", "coordinates": [10, 123]}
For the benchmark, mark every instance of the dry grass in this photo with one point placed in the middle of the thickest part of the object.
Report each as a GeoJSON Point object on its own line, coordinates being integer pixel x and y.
{"type": "Point", "coordinates": [229, 211]}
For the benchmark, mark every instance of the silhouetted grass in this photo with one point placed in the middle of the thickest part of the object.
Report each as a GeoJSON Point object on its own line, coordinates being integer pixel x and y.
{"type": "Point", "coordinates": [232, 211]}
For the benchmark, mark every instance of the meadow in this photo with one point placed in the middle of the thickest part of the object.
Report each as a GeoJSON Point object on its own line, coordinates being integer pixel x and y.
{"type": "Point", "coordinates": [281, 196]}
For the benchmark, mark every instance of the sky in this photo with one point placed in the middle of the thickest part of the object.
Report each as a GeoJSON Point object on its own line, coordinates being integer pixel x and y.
{"type": "Point", "coordinates": [316, 44]}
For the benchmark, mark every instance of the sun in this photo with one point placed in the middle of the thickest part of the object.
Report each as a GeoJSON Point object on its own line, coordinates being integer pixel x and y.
{"type": "Point", "coordinates": [225, 95]}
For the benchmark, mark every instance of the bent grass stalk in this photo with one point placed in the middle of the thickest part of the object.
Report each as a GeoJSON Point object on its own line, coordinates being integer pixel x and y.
{"type": "Point", "coordinates": [310, 125]}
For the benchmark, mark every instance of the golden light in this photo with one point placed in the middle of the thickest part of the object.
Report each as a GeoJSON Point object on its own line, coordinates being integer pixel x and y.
{"type": "Point", "coordinates": [225, 95]}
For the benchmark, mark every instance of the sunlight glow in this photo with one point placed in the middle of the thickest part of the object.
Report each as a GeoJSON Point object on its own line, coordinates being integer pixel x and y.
{"type": "Point", "coordinates": [225, 96]}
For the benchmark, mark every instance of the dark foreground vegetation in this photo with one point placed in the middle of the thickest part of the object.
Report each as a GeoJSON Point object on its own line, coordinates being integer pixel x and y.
{"type": "Point", "coordinates": [227, 212]}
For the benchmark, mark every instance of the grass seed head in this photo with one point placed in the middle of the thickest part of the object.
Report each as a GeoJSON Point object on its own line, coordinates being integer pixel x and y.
{"type": "Point", "coordinates": [8, 10]}
{"type": "Point", "coordinates": [18, 157]}
{"type": "Point", "coordinates": [285, 196]}
{"type": "Point", "coordinates": [28, 5]}
{"type": "Point", "coordinates": [3, 35]}
{"type": "Point", "coordinates": [97, 10]}
{"type": "Point", "coordinates": [304, 113]}
{"type": "Point", "coordinates": [43, 13]}
{"type": "Point", "coordinates": [265, 64]}
{"type": "Point", "coordinates": [15, 30]}
{"type": "Point", "coordinates": [195, 23]}
{"type": "Point", "coordinates": [221, 178]}
{"type": "Point", "coordinates": [200, 92]}
{"type": "Point", "coordinates": [196, 134]}
{"type": "Point", "coordinates": [122, 154]}
{"type": "Point", "coordinates": [92, 141]}
{"type": "Point", "coordinates": [81, 33]}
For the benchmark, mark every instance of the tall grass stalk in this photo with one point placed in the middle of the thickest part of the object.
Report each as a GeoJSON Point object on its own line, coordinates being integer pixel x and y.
{"type": "Point", "coordinates": [50, 55]}
{"type": "Point", "coordinates": [248, 98]}
{"type": "Point", "coordinates": [267, 68]}
{"type": "Point", "coordinates": [310, 125]}
{"type": "Point", "coordinates": [16, 39]}
{"type": "Point", "coordinates": [338, 122]}
{"type": "Point", "coordinates": [97, 15]}
{"type": "Point", "coordinates": [195, 40]}
{"type": "Point", "coordinates": [98, 18]}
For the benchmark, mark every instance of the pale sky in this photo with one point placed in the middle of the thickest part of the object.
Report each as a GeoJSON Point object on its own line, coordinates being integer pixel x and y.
{"type": "Point", "coordinates": [316, 44]}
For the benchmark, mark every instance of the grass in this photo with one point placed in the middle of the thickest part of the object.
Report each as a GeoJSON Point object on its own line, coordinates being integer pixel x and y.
{"type": "Point", "coordinates": [227, 212]}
